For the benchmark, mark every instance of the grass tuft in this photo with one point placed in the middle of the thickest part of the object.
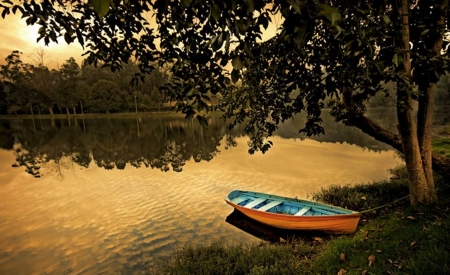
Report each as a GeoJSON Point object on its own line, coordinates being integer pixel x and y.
{"type": "Point", "coordinates": [442, 146]}
{"type": "Point", "coordinates": [218, 258]}
{"type": "Point", "coordinates": [362, 197]}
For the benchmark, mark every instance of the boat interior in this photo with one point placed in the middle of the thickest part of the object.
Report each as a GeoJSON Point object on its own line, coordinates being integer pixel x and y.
{"type": "Point", "coordinates": [280, 205]}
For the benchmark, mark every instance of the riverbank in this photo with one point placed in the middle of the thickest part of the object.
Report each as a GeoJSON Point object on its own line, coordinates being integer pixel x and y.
{"type": "Point", "coordinates": [396, 239]}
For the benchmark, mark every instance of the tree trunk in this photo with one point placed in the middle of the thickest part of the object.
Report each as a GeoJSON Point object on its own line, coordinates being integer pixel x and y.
{"type": "Point", "coordinates": [418, 185]}
{"type": "Point", "coordinates": [426, 105]}
{"type": "Point", "coordinates": [425, 122]}
{"type": "Point", "coordinates": [74, 110]}
{"type": "Point", "coordinates": [67, 110]}
{"type": "Point", "coordinates": [50, 110]}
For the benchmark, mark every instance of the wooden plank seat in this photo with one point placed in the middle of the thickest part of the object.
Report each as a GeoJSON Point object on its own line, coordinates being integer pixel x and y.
{"type": "Point", "coordinates": [238, 200]}
{"type": "Point", "coordinates": [270, 205]}
{"type": "Point", "coordinates": [254, 203]}
{"type": "Point", "coordinates": [302, 211]}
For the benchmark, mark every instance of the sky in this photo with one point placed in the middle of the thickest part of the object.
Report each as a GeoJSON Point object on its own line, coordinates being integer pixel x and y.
{"type": "Point", "coordinates": [16, 35]}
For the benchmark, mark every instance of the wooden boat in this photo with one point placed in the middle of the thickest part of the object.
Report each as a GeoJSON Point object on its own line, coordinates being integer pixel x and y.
{"type": "Point", "coordinates": [292, 213]}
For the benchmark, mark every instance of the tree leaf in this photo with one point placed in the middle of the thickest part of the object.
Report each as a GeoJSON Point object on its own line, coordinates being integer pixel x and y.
{"type": "Point", "coordinates": [250, 6]}
{"type": "Point", "coordinates": [395, 60]}
{"type": "Point", "coordinates": [237, 63]}
{"type": "Point", "coordinates": [5, 12]}
{"type": "Point", "coordinates": [297, 5]}
{"type": "Point", "coordinates": [242, 26]}
{"type": "Point", "coordinates": [227, 42]}
{"type": "Point", "coordinates": [100, 6]}
{"type": "Point", "coordinates": [331, 13]}
{"type": "Point", "coordinates": [68, 38]}
{"type": "Point", "coordinates": [235, 75]}
{"type": "Point", "coordinates": [335, 16]}
{"type": "Point", "coordinates": [52, 35]}
{"type": "Point", "coordinates": [80, 37]}
{"type": "Point", "coordinates": [264, 21]}
{"type": "Point", "coordinates": [215, 12]}
{"type": "Point", "coordinates": [185, 3]}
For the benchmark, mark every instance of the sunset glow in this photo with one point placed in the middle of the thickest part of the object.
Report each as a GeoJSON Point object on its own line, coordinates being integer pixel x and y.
{"type": "Point", "coordinates": [16, 35]}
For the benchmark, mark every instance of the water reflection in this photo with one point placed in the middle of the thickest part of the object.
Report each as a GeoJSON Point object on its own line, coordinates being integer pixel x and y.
{"type": "Point", "coordinates": [163, 142]}
{"type": "Point", "coordinates": [268, 233]}
{"type": "Point", "coordinates": [80, 217]}
{"type": "Point", "coordinates": [155, 143]}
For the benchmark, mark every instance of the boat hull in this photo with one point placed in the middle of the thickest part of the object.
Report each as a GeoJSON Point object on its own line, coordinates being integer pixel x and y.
{"type": "Point", "coordinates": [335, 224]}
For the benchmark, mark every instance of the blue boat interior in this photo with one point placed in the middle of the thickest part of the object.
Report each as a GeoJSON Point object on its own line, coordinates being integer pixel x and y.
{"type": "Point", "coordinates": [282, 205]}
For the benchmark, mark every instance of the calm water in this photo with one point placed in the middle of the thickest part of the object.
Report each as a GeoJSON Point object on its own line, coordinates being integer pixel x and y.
{"type": "Point", "coordinates": [88, 203]}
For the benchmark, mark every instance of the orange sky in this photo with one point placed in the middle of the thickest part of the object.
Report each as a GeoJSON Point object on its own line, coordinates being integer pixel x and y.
{"type": "Point", "coordinates": [16, 35]}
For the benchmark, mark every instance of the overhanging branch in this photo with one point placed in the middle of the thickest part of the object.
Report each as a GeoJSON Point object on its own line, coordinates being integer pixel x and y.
{"type": "Point", "coordinates": [441, 164]}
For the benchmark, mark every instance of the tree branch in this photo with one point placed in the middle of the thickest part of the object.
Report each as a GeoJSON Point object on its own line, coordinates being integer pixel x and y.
{"type": "Point", "coordinates": [441, 164]}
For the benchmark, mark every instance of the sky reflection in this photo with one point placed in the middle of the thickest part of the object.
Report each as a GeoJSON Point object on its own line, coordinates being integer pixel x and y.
{"type": "Point", "coordinates": [92, 220]}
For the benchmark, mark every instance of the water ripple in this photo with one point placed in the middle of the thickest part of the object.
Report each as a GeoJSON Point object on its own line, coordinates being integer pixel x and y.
{"type": "Point", "coordinates": [117, 222]}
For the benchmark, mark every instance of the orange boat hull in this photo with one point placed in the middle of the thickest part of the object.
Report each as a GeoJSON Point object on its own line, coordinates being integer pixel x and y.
{"type": "Point", "coordinates": [335, 224]}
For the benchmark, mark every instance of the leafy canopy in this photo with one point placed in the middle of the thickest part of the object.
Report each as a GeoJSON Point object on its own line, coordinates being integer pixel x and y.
{"type": "Point", "coordinates": [323, 49]}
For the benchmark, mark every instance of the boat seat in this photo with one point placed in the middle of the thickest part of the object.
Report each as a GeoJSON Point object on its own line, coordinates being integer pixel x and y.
{"type": "Point", "coordinates": [269, 205]}
{"type": "Point", "coordinates": [238, 200]}
{"type": "Point", "coordinates": [303, 211]}
{"type": "Point", "coordinates": [254, 203]}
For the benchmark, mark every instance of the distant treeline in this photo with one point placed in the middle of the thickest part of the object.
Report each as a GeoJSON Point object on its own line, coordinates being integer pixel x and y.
{"type": "Point", "coordinates": [387, 99]}
{"type": "Point", "coordinates": [71, 89]}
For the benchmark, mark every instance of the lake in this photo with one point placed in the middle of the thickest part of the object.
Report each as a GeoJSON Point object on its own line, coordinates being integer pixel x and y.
{"type": "Point", "coordinates": [90, 196]}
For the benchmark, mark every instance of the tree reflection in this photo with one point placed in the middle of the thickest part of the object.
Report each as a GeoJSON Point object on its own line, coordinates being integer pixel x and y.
{"type": "Point", "coordinates": [162, 142]}
{"type": "Point", "coordinates": [339, 133]}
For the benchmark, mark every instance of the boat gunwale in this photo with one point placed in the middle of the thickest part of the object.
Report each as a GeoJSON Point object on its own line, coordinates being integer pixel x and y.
{"type": "Point", "coordinates": [293, 217]}
{"type": "Point", "coordinates": [351, 213]}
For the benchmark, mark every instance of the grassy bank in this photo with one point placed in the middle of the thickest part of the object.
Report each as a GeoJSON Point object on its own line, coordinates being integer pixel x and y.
{"type": "Point", "coordinates": [442, 146]}
{"type": "Point", "coordinates": [398, 238]}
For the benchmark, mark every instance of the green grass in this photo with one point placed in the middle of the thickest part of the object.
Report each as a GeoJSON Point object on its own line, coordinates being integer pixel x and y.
{"type": "Point", "coordinates": [217, 258]}
{"type": "Point", "coordinates": [409, 241]}
{"type": "Point", "coordinates": [403, 239]}
{"type": "Point", "coordinates": [362, 197]}
{"type": "Point", "coordinates": [445, 131]}
{"type": "Point", "coordinates": [442, 146]}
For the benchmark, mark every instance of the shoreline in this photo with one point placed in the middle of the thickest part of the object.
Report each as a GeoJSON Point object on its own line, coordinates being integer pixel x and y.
{"type": "Point", "coordinates": [383, 239]}
{"type": "Point", "coordinates": [94, 115]}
